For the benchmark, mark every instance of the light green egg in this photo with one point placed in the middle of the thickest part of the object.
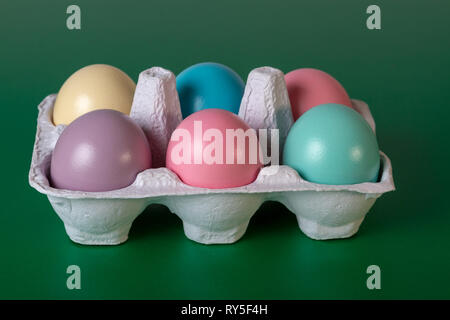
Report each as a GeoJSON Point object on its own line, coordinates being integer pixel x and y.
{"type": "Point", "coordinates": [333, 144]}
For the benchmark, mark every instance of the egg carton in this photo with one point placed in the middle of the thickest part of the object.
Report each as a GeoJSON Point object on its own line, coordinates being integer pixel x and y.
{"type": "Point", "coordinates": [210, 216]}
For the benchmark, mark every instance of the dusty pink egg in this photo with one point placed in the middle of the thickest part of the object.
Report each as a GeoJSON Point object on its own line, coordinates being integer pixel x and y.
{"type": "Point", "coordinates": [309, 87]}
{"type": "Point", "coordinates": [100, 151]}
{"type": "Point", "coordinates": [209, 150]}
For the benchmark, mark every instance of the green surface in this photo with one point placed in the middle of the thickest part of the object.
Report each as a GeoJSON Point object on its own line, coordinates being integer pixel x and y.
{"type": "Point", "coordinates": [401, 71]}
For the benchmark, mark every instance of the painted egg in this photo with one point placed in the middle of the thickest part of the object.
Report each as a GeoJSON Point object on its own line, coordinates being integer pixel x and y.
{"type": "Point", "coordinates": [332, 144]}
{"type": "Point", "coordinates": [94, 87]}
{"type": "Point", "coordinates": [100, 151]}
{"type": "Point", "coordinates": [309, 87]}
{"type": "Point", "coordinates": [209, 85]}
{"type": "Point", "coordinates": [215, 149]}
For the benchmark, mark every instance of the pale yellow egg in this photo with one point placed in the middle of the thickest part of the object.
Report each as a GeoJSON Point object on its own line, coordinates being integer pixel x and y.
{"type": "Point", "coordinates": [97, 86]}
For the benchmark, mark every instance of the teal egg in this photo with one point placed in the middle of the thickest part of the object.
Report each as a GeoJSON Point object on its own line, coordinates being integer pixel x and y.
{"type": "Point", "coordinates": [333, 144]}
{"type": "Point", "coordinates": [209, 85]}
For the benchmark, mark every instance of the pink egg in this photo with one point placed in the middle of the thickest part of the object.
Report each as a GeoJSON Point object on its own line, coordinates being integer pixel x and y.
{"type": "Point", "coordinates": [309, 87]}
{"type": "Point", "coordinates": [207, 151]}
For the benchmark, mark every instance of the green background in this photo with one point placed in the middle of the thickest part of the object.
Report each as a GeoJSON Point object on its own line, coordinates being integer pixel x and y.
{"type": "Point", "coordinates": [401, 71]}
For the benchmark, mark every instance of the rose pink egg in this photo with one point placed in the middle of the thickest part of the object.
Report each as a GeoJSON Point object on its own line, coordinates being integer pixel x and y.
{"type": "Point", "coordinates": [309, 87]}
{"type": "Point", "coordinates": [100, 151]}
{"type": "Point", "coordinates": [209, 150]}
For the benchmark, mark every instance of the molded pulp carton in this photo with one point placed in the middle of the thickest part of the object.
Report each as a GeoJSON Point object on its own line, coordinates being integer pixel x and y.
{"type": "Point", "coordinates": [209, 215]}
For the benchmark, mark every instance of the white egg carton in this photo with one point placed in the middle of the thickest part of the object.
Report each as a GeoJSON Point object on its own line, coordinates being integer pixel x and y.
{"type": "Point", "coordinates": [209, 216]}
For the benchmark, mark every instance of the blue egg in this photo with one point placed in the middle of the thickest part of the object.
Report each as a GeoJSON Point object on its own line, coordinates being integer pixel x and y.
{"type": "Point", "coordinates": [209, 85]}
{"type": "Point", "coordinates": [333, 144]}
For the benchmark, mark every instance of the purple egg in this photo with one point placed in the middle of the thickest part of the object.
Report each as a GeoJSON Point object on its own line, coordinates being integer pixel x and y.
{"type": "Point", "coordinates": [100, 151]}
